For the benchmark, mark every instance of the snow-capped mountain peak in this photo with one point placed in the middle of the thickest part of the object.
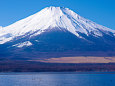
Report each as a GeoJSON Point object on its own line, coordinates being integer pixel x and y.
{"type": "Point", "coordinates": [52, 17]}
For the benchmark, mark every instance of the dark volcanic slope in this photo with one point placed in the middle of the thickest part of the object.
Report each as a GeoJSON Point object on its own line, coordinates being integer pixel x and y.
{"type": "Point", "coordinates": [56, 43]}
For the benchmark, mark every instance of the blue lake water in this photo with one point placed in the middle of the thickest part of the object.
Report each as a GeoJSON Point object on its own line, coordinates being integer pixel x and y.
{"type": "Point", "coordinates": [57, 79]}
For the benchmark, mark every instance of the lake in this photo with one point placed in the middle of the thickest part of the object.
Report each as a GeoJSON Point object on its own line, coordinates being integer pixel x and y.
{"type": "Point", "coordinates": [58, 79]}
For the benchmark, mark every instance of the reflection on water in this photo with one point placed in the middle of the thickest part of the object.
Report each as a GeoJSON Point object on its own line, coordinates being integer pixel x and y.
{"type": "Point", "coordinates": [56, 79]}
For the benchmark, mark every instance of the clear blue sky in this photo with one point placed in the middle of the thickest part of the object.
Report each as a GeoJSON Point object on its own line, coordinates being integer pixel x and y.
{"type": "Point", "coordinates": [99, 11]}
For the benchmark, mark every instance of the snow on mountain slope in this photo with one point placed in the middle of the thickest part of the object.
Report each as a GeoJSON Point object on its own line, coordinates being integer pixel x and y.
{"type": "Point", "coordinates": [52, 17]}
{"type": "Point", "coordinates": [27, 43]}
{"type": "Point", "coordinates": [0, 26]}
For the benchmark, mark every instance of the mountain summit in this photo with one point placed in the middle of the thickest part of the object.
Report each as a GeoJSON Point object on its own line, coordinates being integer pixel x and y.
{"type": "Point", "coordinates": [52, 17]}
{"type": "Point", "coordinates": [57, 29]}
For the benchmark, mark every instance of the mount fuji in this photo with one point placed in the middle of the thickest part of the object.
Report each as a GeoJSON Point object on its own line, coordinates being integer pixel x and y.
{"type": "Point", "coordinates": [56, 32]}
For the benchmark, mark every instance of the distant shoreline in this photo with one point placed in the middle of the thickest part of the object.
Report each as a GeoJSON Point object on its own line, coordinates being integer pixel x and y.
{"type": "Point", "coordinates": [27, 66]}
{"type": "Point", "coordinates": [31, 73]}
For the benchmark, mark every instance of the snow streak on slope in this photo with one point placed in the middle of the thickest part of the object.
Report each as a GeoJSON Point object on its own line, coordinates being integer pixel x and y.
{"type": "Point", "coordinates": [27, 43]}
{"type": "Point", "coordinates": [52, 17]}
